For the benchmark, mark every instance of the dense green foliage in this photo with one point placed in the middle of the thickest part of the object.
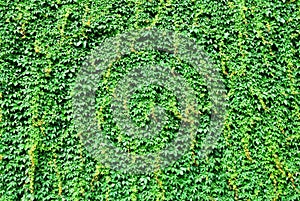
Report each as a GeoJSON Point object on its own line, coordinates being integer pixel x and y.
{"type": "Point", "coordinates": [253, 44]}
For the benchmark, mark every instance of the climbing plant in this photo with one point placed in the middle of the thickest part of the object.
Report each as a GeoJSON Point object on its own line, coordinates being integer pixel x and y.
{"type": "Point", "coordinates": [255, 47]}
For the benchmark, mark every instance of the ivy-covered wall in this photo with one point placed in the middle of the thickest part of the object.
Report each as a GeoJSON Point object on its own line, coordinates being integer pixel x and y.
{"type": "Point", "coordinates": [253, 44]}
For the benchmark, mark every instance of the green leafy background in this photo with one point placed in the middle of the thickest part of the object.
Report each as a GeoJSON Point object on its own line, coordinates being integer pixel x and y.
{"type": "Point", "coordinates": [254, 45]}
